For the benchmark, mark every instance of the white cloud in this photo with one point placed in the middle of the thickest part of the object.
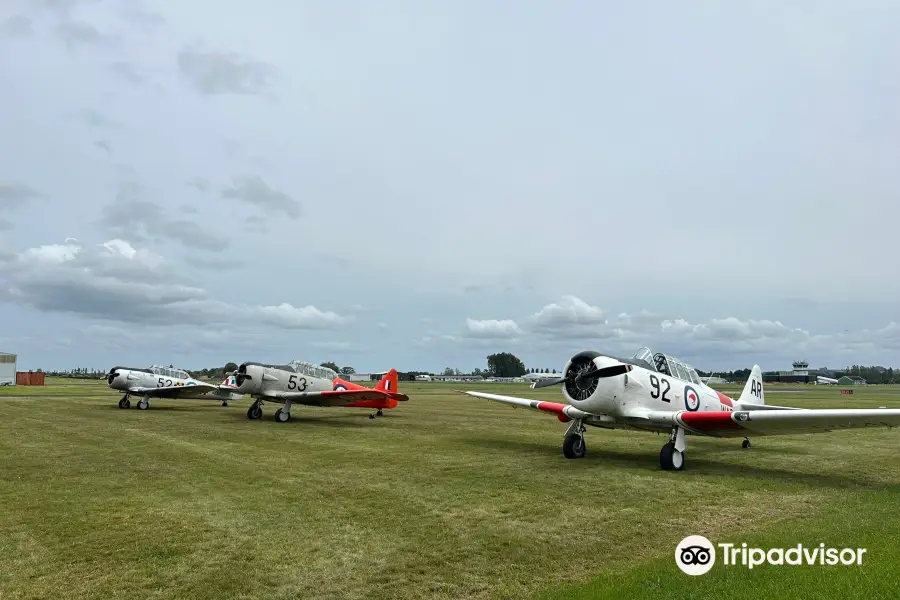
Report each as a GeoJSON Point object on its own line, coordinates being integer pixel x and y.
{"type": "Point", "coordinates": [571, 322]}
{"type": "Point", "coordinates": [493, 328]}
{"type": "Point", "coordinates": [115, 281]}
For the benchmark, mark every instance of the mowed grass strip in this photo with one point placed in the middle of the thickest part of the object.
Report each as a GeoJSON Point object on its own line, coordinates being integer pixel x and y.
{"type": "Point", "coordinates": [445, 497]}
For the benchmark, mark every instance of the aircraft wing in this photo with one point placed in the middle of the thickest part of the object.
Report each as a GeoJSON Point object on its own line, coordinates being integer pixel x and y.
{"type": "Point", "coordinates": [774, 422]}
{"type": "Point", "coordinates": [563, 412]}
{"type": "Point", "coordinates": [200, 390]}
{"type": "Point", "coordinates": [333, 398]}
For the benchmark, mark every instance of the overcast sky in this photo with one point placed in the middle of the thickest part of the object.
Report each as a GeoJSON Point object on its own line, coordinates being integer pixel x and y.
{"type": "Point", "coordinates": [417, 184]}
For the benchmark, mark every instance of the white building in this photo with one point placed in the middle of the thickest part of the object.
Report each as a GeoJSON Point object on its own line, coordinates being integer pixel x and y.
{"type": "Point", "coordinates": [7, 369]}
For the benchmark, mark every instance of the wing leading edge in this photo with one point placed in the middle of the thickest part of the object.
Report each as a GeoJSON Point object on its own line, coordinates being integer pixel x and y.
{"type": "Point", "coordinates": [739, 423]}
{"type": "Point", "coordinates": [334, 397]}
{"type": "Point", "coordinates": [777, 422]}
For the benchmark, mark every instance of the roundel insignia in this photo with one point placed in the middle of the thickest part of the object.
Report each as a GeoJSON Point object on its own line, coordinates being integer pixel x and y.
{"type": "Point", "coordinates": [691, 399]}
{"type": "Point", "coordinates": [340, 388]}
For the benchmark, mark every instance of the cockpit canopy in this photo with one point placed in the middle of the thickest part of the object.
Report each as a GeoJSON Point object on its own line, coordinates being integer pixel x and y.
{"type": "Point", "coordinates": [310, 370]}
{"type": "Point", "coordinates": [667, 365]}
{"type": "Point", "coordinates": [169, 372]}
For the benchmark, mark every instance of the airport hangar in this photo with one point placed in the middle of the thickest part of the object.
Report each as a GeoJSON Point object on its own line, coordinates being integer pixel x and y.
{"type": "Point", "coordinates": [7, 368]}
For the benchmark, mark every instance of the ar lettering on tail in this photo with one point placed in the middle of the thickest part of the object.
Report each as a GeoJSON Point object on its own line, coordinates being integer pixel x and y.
{"type": "Point", "coordinates": [756, 388]}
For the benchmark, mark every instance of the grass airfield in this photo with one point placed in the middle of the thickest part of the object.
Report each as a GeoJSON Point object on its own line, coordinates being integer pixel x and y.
{"type": "Point", "coordinates": [444, 497]}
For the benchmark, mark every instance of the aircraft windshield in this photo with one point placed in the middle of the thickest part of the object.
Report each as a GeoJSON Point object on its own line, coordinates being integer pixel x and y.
{"type": "Point", "coordinates": [669, 365]}
{"type": "Point", "coordinates": [169, 372]}
{"type": "Point", "coordinates": [311, 370]}
{"type": "Point", "coordinates": [644, 354]}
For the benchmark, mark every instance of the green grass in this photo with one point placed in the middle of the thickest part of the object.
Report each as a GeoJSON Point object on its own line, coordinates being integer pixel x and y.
{"type": "Point", "coordinates": [445, 497]}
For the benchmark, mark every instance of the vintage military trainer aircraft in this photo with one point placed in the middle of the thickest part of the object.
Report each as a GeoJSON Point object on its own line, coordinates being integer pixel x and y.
{"type": "Point", "coordinates": [166, 382]}
{"type": "Point", "coordinates": [300, 382]}
{"type": "Point", "coordinates": [656, 392]}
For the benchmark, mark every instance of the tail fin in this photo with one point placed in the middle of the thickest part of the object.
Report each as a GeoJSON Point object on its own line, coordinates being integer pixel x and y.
{"type": "Point", "coordinates": [389, 385]}
{"type": "Point", "coordinates": [389, 382]}
{"type": "Point", "coordinates": [753, 390]}
{"type": "Point", "coordinates": [229, 382]}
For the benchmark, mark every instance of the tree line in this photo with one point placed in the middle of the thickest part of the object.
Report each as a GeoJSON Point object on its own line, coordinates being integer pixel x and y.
{"type": "Point", "coordinates": [506, 364]}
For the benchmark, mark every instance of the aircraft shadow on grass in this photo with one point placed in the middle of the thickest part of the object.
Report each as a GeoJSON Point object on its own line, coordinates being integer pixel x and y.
{"type": "Point", "coordinates": [606, 456]}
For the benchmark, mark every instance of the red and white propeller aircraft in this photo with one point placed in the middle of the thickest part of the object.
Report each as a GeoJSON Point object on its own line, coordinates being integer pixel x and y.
{"type": "Point", "coordinates": [656, 392]}
{"type": "Point", "coordinates": [301, 382]}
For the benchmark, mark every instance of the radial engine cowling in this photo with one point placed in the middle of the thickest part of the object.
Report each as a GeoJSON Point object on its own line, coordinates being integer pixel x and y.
{"type": "Point", "coordinates": [589, 390]}
{"type": "Point", "coordinates": [248, 378]}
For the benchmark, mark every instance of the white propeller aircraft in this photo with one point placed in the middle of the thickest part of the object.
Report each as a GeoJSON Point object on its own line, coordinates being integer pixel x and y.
{"type": "Point", "coordinates": [166, 382]}
{"type": "Point", "coordinates": [313, 385]}
{"type": "Point", "coordinates": [656, 392]}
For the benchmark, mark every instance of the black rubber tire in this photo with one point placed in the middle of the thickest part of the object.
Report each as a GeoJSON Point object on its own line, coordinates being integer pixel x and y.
{"type": "Point", "coordinates": [574, 446]}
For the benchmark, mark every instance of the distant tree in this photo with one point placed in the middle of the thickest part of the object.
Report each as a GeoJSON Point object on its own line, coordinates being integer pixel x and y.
{"type": "Point", "coordinates": [332, 366]}
{"type": "Point", "coordinates": [505, 364]}
{"type": "Point", "coordinates": [448, 371]}
{"type": "Point", "coordinates": [229, 367]}
{"type": "Point", "coordinates": [347, 371]}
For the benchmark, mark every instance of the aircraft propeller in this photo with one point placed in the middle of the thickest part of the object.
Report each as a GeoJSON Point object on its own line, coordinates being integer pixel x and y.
{"type": "Point", "coordinates": [240, 375]}
{"type": "Point", "coordinates": [112, 376]}
{"type": "Point", "coordinates": [578, 376]}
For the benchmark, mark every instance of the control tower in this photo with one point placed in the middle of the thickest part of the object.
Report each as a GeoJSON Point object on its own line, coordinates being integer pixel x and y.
{"type": "Point", "coordinates": [801, 367]}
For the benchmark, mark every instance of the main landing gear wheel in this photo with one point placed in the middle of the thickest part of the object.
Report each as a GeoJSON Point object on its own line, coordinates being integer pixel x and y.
{"type": "Point", "coordinates": [144, 404]}
{"type": "Point", "coordinates": [225, 403]}
{"type": "Point", "coordinates": [745, 444]}
{"type": "Point", "coordinates": [379, 413]}
{"type": "Point", "coordinates": [254, 412]}
{"type": "Point", "coordinates": [671, 459]}
{"type": "Point", "coordinates": [125, 402]}
{"type": "Point", "coordinates": [281, 416]}
{"type": "Point", "coordinates": [574, 446]}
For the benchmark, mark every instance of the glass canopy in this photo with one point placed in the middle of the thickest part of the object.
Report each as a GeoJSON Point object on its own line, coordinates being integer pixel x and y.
{"type": "Point", "coordinates": [311, 370]}
{"type": "Point", "coordinates": [668, 365]}
{"type": "Point", "coordinates": [169, 372]}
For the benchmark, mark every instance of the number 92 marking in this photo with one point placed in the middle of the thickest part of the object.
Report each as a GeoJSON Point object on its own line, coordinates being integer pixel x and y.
{"type": "Point", "coordinates": [297, 384]}
{"type": "Point", "coordinates": [656, 392]}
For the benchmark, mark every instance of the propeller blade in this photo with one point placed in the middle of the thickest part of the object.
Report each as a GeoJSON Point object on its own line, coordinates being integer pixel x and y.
{"type": "Point", "coordinates": [604, 372]}
{"type": "Point", "coordinates": [596, 373]}
{"type": "Point", "coordinates": [548, 382]}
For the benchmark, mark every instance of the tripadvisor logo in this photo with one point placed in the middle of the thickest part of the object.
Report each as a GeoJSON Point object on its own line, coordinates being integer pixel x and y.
{"type": "Point", "coordinates": [696, 555]}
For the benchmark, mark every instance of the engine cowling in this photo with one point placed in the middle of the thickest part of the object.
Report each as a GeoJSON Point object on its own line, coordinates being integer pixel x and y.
{"type": "Point", "coordinates": [595, 393]}
{"type": "Point", "coordinates": [248, 378]}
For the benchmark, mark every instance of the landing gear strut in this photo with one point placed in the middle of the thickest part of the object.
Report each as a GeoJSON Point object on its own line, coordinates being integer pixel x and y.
{"type": "Point", "coordinates": [125, 402]}
{"type": "Point", "coordinates": [255, 411]}
{"type": "Point", "coordinates": [671, 457]}
{"type": "Point", "coordinates": [283, 415]}
{"type": "Point", "coordinates": [573, 443]}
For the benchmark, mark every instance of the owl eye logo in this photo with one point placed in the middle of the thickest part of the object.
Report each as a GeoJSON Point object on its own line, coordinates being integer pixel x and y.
{"type": "Point", "coordinates": [695, 555]}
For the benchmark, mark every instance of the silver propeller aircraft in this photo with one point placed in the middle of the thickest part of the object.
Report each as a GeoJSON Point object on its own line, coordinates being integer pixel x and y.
{"type": "Point", "coordinates": [302, 382]}
{"type": "Point", "coordinates": [659, 393]}
{"type": "Point", "coordinates": [166, 382]}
